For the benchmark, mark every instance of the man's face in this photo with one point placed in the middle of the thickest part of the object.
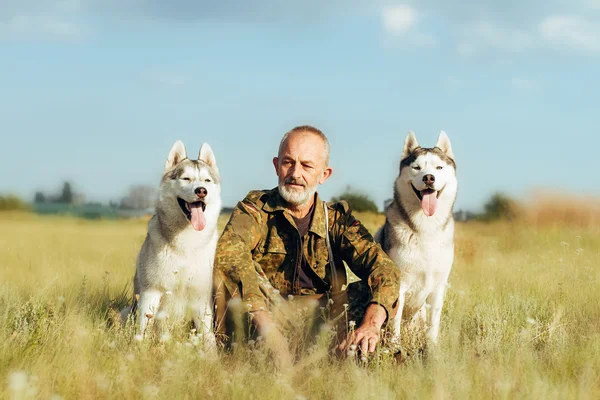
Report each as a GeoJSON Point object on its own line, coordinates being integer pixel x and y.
{"type": "Point", "coordinates": [301, 167]}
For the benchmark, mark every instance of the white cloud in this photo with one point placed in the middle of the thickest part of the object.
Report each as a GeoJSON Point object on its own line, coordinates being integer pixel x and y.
{"type": "Point", "coordinates": [523, 84]}
{"type": "Point", "coordinates": [399, 19]}
{"type": "Point", "coordinates": [164, 78]}
{"type": "Point", "coordinates": [483, 35]}
{"type": "Point", "coordinates": [593, 4]}
{"type": "Point", "coordinates": [400, 25]}
{"type": "Point", "coordinates": [28, 26]}
{"type": "Point", "coordinates": [571, 32]}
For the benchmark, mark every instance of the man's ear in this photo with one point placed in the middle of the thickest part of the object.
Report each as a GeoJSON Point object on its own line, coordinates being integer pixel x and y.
{"type": "Point", "coordinates": [276, 165]}
{"type": "Point", "coordinates": [325, 175]}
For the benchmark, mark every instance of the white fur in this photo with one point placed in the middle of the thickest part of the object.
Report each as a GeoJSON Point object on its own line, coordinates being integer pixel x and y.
{"type": "Point", "coordinates": [425, 254]}
{"type": "Point", "coordinates": [174, 270]}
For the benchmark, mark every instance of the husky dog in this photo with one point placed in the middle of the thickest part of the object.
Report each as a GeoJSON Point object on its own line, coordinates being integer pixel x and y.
{"type": "Point", "coordinates": [174, 272]}
{"type": "Point", "coordinates": [418, 233]}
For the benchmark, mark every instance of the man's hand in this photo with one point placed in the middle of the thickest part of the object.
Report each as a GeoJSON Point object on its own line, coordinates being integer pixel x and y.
{"type": "Point", "coordinates": [366, 336]}
{"type": "Point", "coordinates": [275, 342]}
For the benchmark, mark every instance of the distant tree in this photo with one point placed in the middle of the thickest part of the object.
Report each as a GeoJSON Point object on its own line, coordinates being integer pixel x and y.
{"type": "Point", "coordinates": [500, 206]}
{"type": "Point", "coordinates": [11, 203]}
{"type": "Point", "coordinates": [66, 194]}
{"type": "Point", "coordinates": [357, 200]}
{"type": "Point", "coordinates": [139, 197]}
{"type": "Point", "coordinates": [40, 197]}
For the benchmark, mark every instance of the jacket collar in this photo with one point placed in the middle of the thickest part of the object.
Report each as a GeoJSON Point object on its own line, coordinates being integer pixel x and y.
{"type": "Point", "coordinates": [276, 203]}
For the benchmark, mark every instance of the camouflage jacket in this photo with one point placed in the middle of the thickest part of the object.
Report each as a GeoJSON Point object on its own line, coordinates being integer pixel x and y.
{"type": "Point", "coordinates": [261, 240]}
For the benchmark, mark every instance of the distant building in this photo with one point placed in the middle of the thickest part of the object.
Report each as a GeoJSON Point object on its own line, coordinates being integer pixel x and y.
{"type": "Point", "coordinates": [463, 215]}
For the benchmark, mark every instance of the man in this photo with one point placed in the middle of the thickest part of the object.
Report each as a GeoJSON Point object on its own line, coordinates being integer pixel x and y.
{"type": "Point", "coordinates": [275, 246]}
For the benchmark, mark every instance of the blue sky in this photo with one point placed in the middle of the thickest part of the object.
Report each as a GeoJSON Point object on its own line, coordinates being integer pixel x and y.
{"type": "Point", "coordinates": [96, 92]}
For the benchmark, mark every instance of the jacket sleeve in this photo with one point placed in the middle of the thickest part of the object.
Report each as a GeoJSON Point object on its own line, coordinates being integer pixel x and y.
{"type": "Point", "coordinates": [233, 257]}
{"type": "Point", "coordinates": [368, 261]}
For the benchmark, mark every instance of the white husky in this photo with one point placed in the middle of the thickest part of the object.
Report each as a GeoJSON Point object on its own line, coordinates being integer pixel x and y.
{"type": "Point", "coordinates": [419, 230]}
{"type": "Point", "coordinates": [174, 272]}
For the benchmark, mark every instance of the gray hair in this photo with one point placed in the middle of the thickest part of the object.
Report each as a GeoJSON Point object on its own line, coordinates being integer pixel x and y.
{"type": "Point", "coordinates": [308, 129]}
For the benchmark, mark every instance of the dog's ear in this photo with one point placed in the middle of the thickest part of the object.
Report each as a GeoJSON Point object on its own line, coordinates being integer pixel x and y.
{"type": "Point", "coordinates": [176, 155]}
{"type": "Point", "coordinates": [443, 144]}
{"type": "Point", "coordinates": [410, 144]}
{"type": "Point", "coordinates": [206, 154]}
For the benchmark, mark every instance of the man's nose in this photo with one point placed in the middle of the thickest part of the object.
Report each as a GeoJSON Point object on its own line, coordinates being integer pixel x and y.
{"type": "Point", "coordinates": [295, 171]}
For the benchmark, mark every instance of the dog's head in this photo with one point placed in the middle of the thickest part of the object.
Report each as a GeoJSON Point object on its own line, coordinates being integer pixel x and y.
{"type": "Point", "coordinates": [193, 184]}
{"type": "Point", "coordinates": [427, 172]}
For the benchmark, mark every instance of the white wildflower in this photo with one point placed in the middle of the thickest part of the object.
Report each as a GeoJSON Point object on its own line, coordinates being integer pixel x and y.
{"type": "Point", "coordinates": [165, 337]}
{"type": "Point", "coordinates": [151, 391]}
{"type": "Point", "coordinates": [17, 381]}
{"type": "Point", "coordinates": [161, 315]}
{"type": "Point", "coordinates": [102, 382]}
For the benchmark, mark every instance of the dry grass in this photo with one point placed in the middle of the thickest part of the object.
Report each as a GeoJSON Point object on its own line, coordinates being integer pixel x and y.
{"type": "Point", "coordinates": [522, 320]}
{"type": "Point", "coordinates": [547, 208]}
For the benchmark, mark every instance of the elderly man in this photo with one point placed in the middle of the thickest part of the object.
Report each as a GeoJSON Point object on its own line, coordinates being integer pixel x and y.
{"type": "Point", "coordinates": [286, 241]}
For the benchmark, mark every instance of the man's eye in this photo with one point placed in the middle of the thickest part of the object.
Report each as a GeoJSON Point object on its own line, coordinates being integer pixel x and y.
{"type": "Point", "coordinates": [439, 167]}
{"type": "Point", "coordinates": [416, 168]}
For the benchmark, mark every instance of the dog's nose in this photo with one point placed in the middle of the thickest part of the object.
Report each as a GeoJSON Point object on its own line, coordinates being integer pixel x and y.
{"type": "Point", "coordinates": [429, 179]}
{"type": "Point", "coordinates": [201, 192]}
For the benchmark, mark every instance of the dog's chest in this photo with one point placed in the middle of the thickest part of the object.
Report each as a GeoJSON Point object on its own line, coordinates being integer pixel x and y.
{"type": "Point", "coordinates": [186, 266]}
{"type": "Point", "coordinates": [423, 252]}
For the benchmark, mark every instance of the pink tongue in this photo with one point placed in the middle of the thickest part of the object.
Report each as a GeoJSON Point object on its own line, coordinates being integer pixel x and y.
{"type": "Point", "coordinates": [198, 220]}
{"type": "Point", "coordinates": [429, 203]}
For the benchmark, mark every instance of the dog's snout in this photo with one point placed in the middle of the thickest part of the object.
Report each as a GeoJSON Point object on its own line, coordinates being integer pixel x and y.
{"type": "Point", "coordinates": [201, 191]}
{"type": "Point", "coordinates": [429, 179]}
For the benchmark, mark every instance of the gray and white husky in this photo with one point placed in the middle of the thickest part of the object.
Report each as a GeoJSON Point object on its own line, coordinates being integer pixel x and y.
{"type": "Point", "coordinates": [174, 272]}
{"type": "Point", "coordinates": [418, 233]}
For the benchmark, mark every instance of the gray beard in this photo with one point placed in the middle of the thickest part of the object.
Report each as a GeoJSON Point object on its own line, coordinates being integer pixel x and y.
{"type": "Point", "coordinates": [296, 198]}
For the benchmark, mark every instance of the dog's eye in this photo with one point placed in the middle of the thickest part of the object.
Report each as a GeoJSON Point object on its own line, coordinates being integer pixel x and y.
{"type": "Point", "coordinates": [185, 179]}
{"type": "Point", "coordinates": [207, 180]}
{"type": "Point", "coordinates": [439, 167]}
{"type": "Point", "coordinates": [416, 168]}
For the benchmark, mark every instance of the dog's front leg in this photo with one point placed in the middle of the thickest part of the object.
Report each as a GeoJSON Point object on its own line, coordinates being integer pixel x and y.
{"type": "Point", "coordinates": [203, 322]}
{"type": "Point", "coordinates": [148, 307]}
{"type": "Point", "coordinates": [436, 302]}
{"type": "Point", "coordinates": [398, 317]}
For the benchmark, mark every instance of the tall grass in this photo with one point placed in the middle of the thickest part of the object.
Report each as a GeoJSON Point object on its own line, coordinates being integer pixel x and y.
{"type": "Point", "coordinates": [521, 320]}
{"type": "Point", "coordinates": [548, 208]}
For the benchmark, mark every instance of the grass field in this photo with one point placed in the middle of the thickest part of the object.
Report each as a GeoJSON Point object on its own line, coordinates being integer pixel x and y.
{"type": "Point", "coordinates": [521, 320]}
